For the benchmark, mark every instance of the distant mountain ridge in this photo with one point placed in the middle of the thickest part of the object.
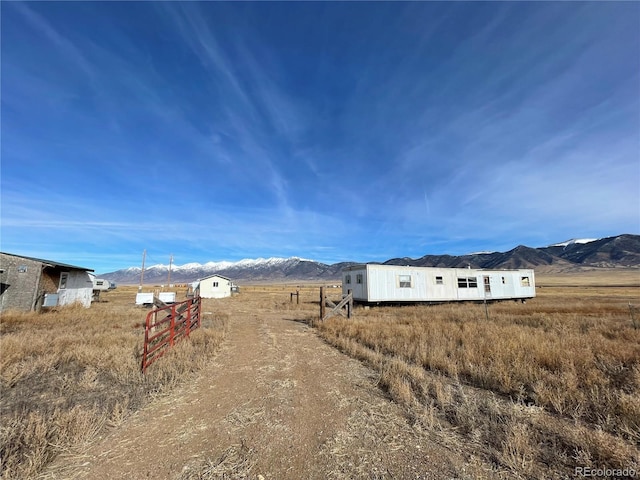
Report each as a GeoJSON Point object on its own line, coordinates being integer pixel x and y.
{"type": "Point", "coordinates": [247, 270]}
{"type": "Point", "coordinates": [619, 251]}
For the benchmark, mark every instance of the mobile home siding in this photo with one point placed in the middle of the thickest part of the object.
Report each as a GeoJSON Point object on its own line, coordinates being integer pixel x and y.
{"type": "Point", "coordinates": [79, 289]}
{"type": "Point", "coordinates": [392, 285]}
{"type": "Point", "coordinates": [389, 283]}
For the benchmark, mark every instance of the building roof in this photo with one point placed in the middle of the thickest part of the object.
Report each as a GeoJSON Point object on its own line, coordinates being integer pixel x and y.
{"type": "Point", "coordinates": [363, 266]}
{"type": "Point", "coordinates": [49, 263]}
{"type": "Point", "coordinates": [214, 275]}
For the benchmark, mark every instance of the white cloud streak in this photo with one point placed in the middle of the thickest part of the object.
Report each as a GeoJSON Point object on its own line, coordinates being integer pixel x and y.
{"type": "Point", "coordinates": [507, 130]}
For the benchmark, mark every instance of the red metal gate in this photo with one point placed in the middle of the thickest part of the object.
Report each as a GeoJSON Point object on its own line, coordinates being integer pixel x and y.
{"type": "Point", "coordinates": [176, 322]}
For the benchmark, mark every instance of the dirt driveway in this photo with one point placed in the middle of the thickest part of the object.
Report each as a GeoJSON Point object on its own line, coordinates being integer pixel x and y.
{"type": "Point", "coordinates": [277, 403]}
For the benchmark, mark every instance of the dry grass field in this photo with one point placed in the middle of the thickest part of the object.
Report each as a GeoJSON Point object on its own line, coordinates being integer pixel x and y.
{"type": "Point", "coordinates": [536, 389]}
{"type": "Point", "coordinates": [539, 388]}
{"type": "Point", "coordinates": [68, 374]}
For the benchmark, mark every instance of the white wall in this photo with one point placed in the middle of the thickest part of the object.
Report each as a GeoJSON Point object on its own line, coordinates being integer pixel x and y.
{"type": "Point", "coordinates": [384, 284]}
{"type": "Point", "coordinates": [445, 289]}
{"type": "Point", "coordinates": [78, 288]}
{"type": "Point", "coordinates": [208, 289]}
{"type": "Point", "coordinates": [350, 282]}
{"type": "Point", "coordinates": [381, 283]}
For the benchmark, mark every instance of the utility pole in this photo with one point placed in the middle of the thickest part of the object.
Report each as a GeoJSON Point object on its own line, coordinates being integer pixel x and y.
{"type": "Point", "coordinates": [144, 254]}
{"type": "Point", "coordinates": [169, 277]}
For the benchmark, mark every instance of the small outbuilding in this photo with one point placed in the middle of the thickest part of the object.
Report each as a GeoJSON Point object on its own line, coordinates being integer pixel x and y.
{"type": "Point", "coordinates": [215, 286]}
{"type": "Point", "coordinates": [29, 284]}
{"type": "Point", "coordinates": [373, 283]}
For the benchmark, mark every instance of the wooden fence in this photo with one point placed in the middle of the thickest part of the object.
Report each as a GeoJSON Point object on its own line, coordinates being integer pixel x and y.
{"type": "Point", "coordinates": [176, 322]}
{"type": "Point", "coordinates": [335, 309]}
{"type": "Point", "coordinates": [297, 295]}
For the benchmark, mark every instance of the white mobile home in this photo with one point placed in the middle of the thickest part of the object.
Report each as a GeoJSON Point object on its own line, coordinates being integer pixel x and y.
{"type": "Point", "coordinates": [215, 286]}
{"type": "Point", "coordinates": [100, 285]}
{"type": "Point", "coordinates": [372, 283]}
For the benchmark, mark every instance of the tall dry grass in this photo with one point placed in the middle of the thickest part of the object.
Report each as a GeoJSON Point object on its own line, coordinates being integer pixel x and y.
{"type": "Point", "coordinates": [67, 374]}
{"type": "Point", "coordinates": [539, 388]}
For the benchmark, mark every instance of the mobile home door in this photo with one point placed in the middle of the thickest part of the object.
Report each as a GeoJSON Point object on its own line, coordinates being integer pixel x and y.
{"type": "Point", "coordinates": [487, 286]}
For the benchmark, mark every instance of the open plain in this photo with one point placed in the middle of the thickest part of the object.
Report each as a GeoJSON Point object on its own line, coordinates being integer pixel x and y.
{"type": "Point", "coordinates": [264, 390]}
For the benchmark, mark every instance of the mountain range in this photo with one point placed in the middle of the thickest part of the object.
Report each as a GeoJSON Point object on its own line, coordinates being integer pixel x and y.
{"type": "Point", "coordinates": [572, 255]}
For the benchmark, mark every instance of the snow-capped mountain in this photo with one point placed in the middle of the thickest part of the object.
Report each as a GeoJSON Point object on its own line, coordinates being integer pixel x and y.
{"type": "Point", "coordinates": [619, 251]}
{"type": "Point", "coordinates": [259, 269]}
{"type": "Point", "coordinates": [573, 241]}
{"type": "Point", "coordinates": [260, 263]}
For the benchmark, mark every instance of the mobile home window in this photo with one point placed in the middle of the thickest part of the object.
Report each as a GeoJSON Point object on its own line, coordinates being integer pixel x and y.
{"type": "Point", "coordinates": [64, 276]}
{"type": "Point", "coordinates": [347, 279]}
{"type": "Point", "coordinates": [467, 282]}
{"type": "Point", "coordinates": [439, 281]}
{"type": "Point", "coordinates": [359, 278]}
{"type": "Point", "coordinates": [404, 281]}
{"type": "Point", "coordinates": [525, 282]}
{"type": "Point", "coordinates": [215, 284]}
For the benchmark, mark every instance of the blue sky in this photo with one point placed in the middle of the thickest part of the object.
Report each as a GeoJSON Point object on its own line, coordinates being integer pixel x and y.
{"type": "Point", "coordinates": [332, 131]}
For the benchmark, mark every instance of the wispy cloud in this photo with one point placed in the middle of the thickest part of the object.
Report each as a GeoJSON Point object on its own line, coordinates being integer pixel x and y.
{"type": "Point", "coordinates": [62, 44]}
{"type": "Point", "coordinates": [332, 131]}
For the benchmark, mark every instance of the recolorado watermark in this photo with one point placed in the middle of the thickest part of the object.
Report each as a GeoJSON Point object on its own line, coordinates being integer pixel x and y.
{"type": "Point", "coordinates": [605, 472]}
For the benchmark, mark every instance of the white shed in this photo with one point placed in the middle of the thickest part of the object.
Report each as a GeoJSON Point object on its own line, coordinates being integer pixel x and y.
{"type": "Point", "coordinates": [390, 283]}
{"type": "Point", "coordinates": [215, 286]}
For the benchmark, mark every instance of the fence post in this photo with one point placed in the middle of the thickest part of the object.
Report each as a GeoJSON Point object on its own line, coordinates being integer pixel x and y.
{"type": "Point", "coordinates": [297, 295]}
{"type": "Point", "coordinates": [199, 300]}
{"type": "Point", "coordinates": [155, 320]}
{"type": "Point", "coordinates": [145, 350]}
{"type": "Point", "coordinates": [172, 324]}
{"type": "Point", "coordinates": [322, 304]}
{"type": "Point", "coordinates": [188, 329]}
{"type": "Point", "coordinates": [633, 320]}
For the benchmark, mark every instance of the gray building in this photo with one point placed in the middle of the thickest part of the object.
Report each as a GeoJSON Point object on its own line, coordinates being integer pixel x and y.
{"type": "Point", "coordinates": [28, 283]}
